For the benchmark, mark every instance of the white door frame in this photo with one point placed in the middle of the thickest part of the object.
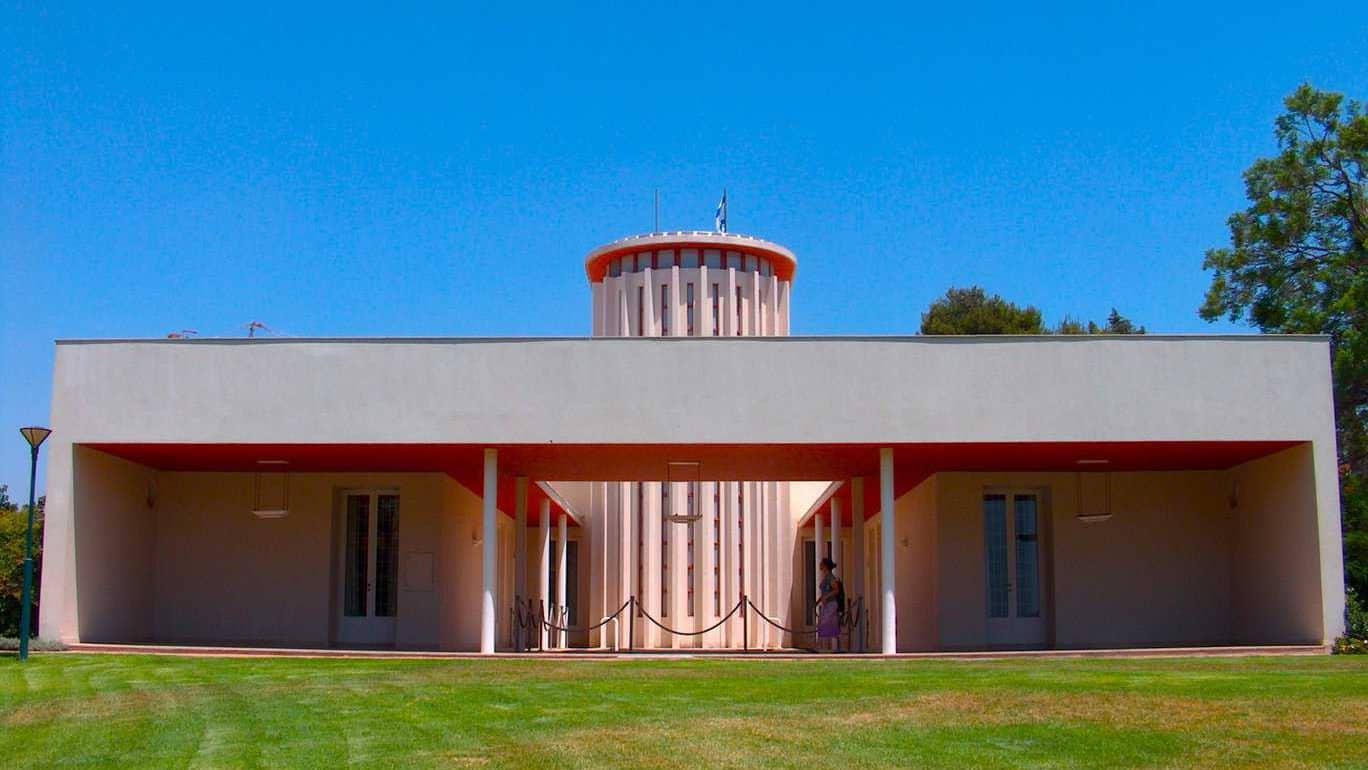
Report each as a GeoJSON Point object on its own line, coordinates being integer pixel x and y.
{"type": "Point", "coordinates": [366, 629]}
{"type": "Point", "coordinates": [1013, 631]}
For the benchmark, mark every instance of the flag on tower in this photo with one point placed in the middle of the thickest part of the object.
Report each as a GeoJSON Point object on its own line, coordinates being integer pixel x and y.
{"type": "Point", "coordinates": [720, 218]}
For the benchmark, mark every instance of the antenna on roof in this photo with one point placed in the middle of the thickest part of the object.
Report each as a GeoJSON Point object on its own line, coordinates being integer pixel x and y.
{"type": "Point", "coordinates": [657, 211]}
{"type": "Point", "coordinates": [253, 326]}
{"type": "Point", "coordinates": [182, 334]}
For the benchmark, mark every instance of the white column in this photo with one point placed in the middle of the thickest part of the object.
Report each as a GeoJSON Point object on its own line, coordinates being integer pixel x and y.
{"type": "Point", "coordinates": [679, 565]}
{"type": "Point", "coordinates": [855, 575]}
{"type": "Point", "coordinates": [596, 315]}
{"type": "Point", "coordinates": [705, 538]}
{"type": "Point", "coordinates": [754, 315]}
{"type": "Point", "coordinates": [676, 309]}
{"type": "Point", "coordinates": [703, 301]}
{"type": "Point", "coordinates": [727, 562]}
{"type": "Point", "coordinates": [650, 591]}
{"type": "Point", "coordinates": [562, 534]}
{"type": "Point", "coordinates": [818, 550]}
{"type": "Point", "coordinates": [626, 513]}
{"type": "Point", "coordinates": [772, 309]}
{"type": "Point", "coordinates": [649, 325]}
{"type": "Point", "coordinates": [520, 540]}
{"type": "Point", "coordinates": [749, 509]}
{"type": "Point", "coordinates": [544, 567]}
{"type": "Point", "coordinates": [888, 538]}
{"type": "Point", "coordinates": [604, 504]}
{"type": "Point", "coordinates": [728, 311]}
{"type": "Point", "coordinates": [781, 542]}
{"type": "Point", "coordinates": [762, 571]}
{"type": "Point", "coordinates": [490, 537]}
{"type": "Point", "coordinates": [836, 533]}
{"type": "Point", "coordinates": [783, 311]}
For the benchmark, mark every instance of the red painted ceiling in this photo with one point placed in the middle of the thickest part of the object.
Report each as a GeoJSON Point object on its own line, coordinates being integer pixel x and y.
{"type": "Point", "coordinates": [721, 462]}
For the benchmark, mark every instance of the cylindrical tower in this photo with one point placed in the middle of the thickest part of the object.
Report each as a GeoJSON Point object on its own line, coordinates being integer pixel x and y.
{"type": "Point", "coordinates": [690, 284]}
{"type": "Point", "coordinates": [689, 550]}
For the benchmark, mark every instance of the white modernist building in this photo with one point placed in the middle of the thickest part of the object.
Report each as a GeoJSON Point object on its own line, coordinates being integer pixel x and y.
{"type": "Point", "coordinates": [671, 481]}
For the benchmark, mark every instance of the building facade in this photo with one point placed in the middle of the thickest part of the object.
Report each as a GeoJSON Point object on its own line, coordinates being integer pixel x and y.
{"type": "Point", "coordinates": [671, 481]}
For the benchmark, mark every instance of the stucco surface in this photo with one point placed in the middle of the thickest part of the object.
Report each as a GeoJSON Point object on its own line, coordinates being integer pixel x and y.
{"type": "Point", "coordinates": [789, 390]}
{"type": "Point", "coordinates": [803, 391]}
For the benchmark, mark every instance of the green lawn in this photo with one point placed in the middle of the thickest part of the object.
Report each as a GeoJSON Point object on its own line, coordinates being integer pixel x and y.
{"type": "Point", "coordinates": [145, 711]}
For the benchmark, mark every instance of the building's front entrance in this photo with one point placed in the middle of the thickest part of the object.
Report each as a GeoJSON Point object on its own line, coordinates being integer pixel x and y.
{"type": "Point", "coordinates": [368, 576]}
{"type": "Point", "coordinates": [1012, 561]}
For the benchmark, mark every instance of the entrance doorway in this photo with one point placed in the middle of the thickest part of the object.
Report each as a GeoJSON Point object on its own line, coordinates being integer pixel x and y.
{"type": "Point", "coordinates": [369, 574]}
{"type": "Point", "coordinates": [1012, 560]}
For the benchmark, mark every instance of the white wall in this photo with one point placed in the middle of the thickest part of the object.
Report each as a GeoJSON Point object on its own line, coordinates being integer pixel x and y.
{"type": "Point", "coordinates": [1156, 573]}
{"type": "Point", "coordinates": [917, 558]}
{"type": "Point", "coordinates": [1174, 564]}
{"type": "Point", "coordinates": [812, 391]}
{"type": "Point", "coordinates": [1276, 560]}
{"type": "Point", "coordinates": [115, 530]}
{"type": "Point", "coordinates": [223, 575]}
{"type": "Point", "coordinates": [459, 571]}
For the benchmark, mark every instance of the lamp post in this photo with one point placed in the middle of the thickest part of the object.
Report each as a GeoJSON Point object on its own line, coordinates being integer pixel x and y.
{"type": "Point", "coordinates": [35, 436]}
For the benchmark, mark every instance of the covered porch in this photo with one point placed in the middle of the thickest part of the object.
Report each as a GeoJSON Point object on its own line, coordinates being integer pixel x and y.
{"type": "Point", "coordinates": [985, 546]}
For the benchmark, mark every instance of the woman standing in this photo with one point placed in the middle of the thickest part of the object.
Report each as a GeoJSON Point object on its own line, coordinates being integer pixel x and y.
{"type": "Point", "coordinates": [830, 605]}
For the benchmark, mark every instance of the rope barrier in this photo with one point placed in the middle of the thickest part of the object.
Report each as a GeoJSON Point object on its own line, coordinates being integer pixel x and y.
{"type": "Point", "coordinates": [583, 629]}
{"type": "Point", "coordinates": [767, 619]}
{"type": "Point", "coordinates": [667, 629]}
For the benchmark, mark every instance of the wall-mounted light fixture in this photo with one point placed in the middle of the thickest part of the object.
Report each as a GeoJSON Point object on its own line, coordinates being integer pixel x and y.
{"type": "Point", "coordinates": [272, 476]}
{"type": "Point", "coordinates": [687, 474]}
{"type": "Point", "coordinates": [1094, 515]}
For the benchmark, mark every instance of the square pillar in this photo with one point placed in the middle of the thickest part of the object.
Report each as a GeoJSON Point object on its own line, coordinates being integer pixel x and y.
{"type": "Point", "coordinates": [489, 553]}
{"type": "Point", "coordinates": [855, 576]}
{"type": "Point", "coordinates": [562, 534]}
{"type": "Point", "coordinates": [544, 568]}
{"type": "Point", "coordinates": [836, 533]}
{"type": "Point", "coordinates": [888, 539]}
{"type": "Point", "coordinates": [520, 541]}
{"type": "Point", "coordinates": [705, 539]}
{"type": "Point", "coordinates": [819, 547]}
{"type": "Point", "coordinates": [650, 559]}
{"type": "Point", "coordinates": [731, 593]}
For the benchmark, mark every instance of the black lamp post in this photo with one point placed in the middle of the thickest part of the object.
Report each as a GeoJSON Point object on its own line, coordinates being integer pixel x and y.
{"type": "Point", "coordinates": [35, 436]}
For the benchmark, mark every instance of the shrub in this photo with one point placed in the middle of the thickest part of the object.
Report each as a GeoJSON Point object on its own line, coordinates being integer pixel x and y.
{"type": "Point", "coordinates": [1355, 639]}
{"type": "Point", "coordinates": [11, 644]}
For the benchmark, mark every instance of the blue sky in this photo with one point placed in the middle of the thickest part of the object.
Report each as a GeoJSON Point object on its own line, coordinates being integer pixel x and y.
{"type": "Point", "coordinates": [344, 171]}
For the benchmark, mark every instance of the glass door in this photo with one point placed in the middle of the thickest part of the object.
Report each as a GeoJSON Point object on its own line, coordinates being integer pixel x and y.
{"type": "Point", "coordinates": [1012, 558]}
{"type": "Point", "coordinates": [370, 568]}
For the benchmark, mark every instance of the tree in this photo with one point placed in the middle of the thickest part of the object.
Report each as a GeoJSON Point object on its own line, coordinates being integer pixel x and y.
{"type": "Point", "coordinates": [973, 311]}
{"type": "Point", "coordinates": [1116, 324]}
{"type": "Point", "coordinates": [13, 526]}
{"type": "Point", "coordinates": [1297, 263]}
{"type": "Point", "coordinates": [1119, 324]}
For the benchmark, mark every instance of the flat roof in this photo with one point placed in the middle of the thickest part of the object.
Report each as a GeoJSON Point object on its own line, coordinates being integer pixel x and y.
{"type": "Point", "coordinates": [932, 339]}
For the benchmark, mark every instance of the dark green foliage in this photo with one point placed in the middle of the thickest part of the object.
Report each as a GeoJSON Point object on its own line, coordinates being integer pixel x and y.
{"type": "Point", "coordinates": [1297, 263]}
{"type": "Point", "coordinates": [973, 311]}
{"type": "Point", "coordinates": [1355, 639]}
{"type": "Point", "coordinates": [1116, 324]}
{"type": "Point", "coordinates": [13, 523]}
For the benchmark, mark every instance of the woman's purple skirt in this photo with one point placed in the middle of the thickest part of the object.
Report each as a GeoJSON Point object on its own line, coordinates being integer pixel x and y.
{"type": "Point", "coordinates": [828, 625]}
